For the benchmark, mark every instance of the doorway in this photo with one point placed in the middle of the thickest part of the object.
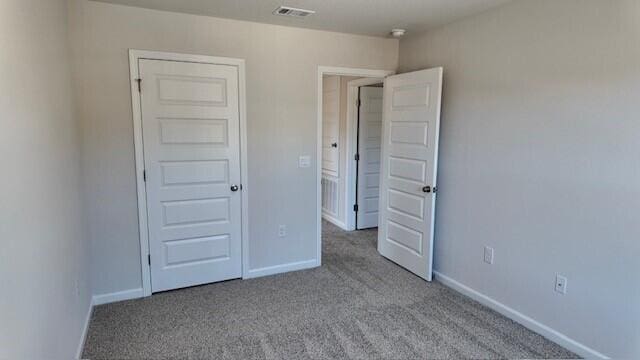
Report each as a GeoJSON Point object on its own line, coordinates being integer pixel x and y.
{"type": "Point", "coordinates": [393, 170]}
{"type": "Point", "coordinates": [339, 153]}
{"type": "Point", "coordinates": [338, 135]}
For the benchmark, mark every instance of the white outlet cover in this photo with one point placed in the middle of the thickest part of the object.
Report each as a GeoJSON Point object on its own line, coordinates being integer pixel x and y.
{"type": "Point", "coordinates": [304, 161]}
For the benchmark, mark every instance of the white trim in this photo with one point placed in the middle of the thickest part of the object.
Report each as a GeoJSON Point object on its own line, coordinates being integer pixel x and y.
{"type": "Point", "coordinates": [134, 56]}
{"type": "Point", "coordinates": [140, 185]}
{"type": "Point", "coordinates": [85, 330]}
{"type": "Point", "coordinates": [279, 269]}
{"type": "Point", "coordinates": [244, 167]}
{"type": "Point", "coordinates": [334, 221]}
{"type": "Point", "coordinates": [342, 71]}
{"type": "Point", "coordinates": [118, 296]}
{"type": "Point", "coordinates": [352, 148]}
{"type": "Point", "coordinates": [522, 319]}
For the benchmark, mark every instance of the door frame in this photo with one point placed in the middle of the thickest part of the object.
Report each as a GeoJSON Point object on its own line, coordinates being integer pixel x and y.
{"type": "Point", "coordinates": [134, 57]}
{"type": "Point", "coordinates": [352, 146]}
{"type": "Point", "coordinates": [340, 71]}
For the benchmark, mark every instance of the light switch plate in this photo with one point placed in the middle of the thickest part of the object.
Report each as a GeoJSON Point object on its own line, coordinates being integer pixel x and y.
{"type": "Point", "coordinates": [304, 161]}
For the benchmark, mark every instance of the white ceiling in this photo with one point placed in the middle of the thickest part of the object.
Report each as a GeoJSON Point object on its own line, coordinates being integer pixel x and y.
{"type": "Point", "coordinates": [367, 17]}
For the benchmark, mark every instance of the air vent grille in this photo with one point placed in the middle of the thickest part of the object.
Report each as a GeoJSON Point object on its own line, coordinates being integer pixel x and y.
{"type": "Point", "coordinates": [289, 11]}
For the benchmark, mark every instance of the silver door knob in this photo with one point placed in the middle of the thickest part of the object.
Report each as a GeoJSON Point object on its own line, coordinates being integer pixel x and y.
{"type": "Point", "coordinates": [234, 188]}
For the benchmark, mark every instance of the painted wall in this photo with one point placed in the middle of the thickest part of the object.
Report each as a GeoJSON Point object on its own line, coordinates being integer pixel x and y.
{"type": "Point", "coordinates": [44, 261]}
{"type": "Point", "coordinates": [281, 84]}
{"type": "Point", "coordinates": [540, 159]}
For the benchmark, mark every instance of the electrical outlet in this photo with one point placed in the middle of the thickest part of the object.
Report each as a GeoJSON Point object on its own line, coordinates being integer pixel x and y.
{"type": "Point", "coordinates": [282, 230]}
{"type": "Point", "coordinates": [488, 255]}
{"type": "Point", "coordinates": [561, 284]}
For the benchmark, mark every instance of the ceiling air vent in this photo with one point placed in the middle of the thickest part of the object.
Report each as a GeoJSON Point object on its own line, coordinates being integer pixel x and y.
{"type": "Point", "coordinates": [289, 11]}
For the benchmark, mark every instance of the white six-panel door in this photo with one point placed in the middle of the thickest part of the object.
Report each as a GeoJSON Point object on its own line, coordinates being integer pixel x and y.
{"type": "Point", "coordinates": [408, 174]}
{"type": "Point", "coordinates": [369, 141]}
{"type": "Point", "coordinates": [191, 135]}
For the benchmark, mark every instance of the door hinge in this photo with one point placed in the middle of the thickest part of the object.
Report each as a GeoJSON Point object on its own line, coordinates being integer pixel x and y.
{"type": "Point", "coordinates": [144, 175]}
{"type": "Point", "coordinates": [357, 157]}
{"type": "Point", "coordinates": [139, 81]}
{"type": "Point", "coordinates": [358, 103]}
{"type": "Point", "coordinates": [149, 259]}
{"type": "Point", "coordinates": [355, 207]}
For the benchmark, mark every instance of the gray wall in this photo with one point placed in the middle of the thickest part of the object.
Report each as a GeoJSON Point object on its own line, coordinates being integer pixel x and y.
{"type": "Point", "coordinates": [540, 159]}
{"type": "Point", "coordinates": [44, 254]}
{"type": "Point", "coordinates": [281, 83]}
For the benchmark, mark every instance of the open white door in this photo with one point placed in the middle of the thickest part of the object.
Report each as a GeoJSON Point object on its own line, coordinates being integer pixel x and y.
{"type": "Point", "coordinates": [369, 139]}
{"type": "Point", "coordinates": [411, 124]}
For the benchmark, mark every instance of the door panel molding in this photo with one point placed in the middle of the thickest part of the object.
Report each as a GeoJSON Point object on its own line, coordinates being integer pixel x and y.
{"type": "Point", "coordinates": [134, 57]}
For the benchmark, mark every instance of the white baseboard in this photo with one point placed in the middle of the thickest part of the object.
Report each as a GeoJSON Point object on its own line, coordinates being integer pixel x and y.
{"type": "Point", "coordinates": [278, 269]}
{"type": "Point", "coordinates": [334, 221]}
{"type": "Point", "coordinates": [104, 299]}
{"type": "Point", "coordinates": [524, 320]}
{"type": "Point", "coordinates": [118, 296]}
{"type": "Point", "coordinates": [85, 329]}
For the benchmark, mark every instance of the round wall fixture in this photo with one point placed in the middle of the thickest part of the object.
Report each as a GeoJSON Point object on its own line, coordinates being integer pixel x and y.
{"type": "Point", "coordinates": [398, 33]}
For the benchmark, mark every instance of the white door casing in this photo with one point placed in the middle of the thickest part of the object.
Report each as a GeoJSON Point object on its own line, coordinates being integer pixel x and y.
{"type": "Point", "coordinates": [191, 132]}
{"type": "Point", "coordinates": [369, 142]}
{"type": "Point", "coordinates": [411, 124]}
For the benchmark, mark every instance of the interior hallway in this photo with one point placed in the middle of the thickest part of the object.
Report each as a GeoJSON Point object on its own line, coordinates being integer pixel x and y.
{"type": "Point", "coordinates": [357, 305]}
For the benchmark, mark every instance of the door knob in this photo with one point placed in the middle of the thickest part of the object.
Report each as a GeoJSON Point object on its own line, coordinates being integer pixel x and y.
{"type": "Point", "coordinates": [426, 189]}
{"type": "Point", "coordinates": [234, 188]}
{"type": "Point", "coordinates": [335, 145]}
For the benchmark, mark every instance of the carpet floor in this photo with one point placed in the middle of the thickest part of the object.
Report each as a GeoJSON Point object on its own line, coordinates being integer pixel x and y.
{"type": "Point", "coordinates": [358, 305]}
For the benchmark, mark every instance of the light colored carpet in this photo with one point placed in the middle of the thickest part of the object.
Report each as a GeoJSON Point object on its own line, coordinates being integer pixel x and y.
{"type": "Point", "coordinates": [357, 305]}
